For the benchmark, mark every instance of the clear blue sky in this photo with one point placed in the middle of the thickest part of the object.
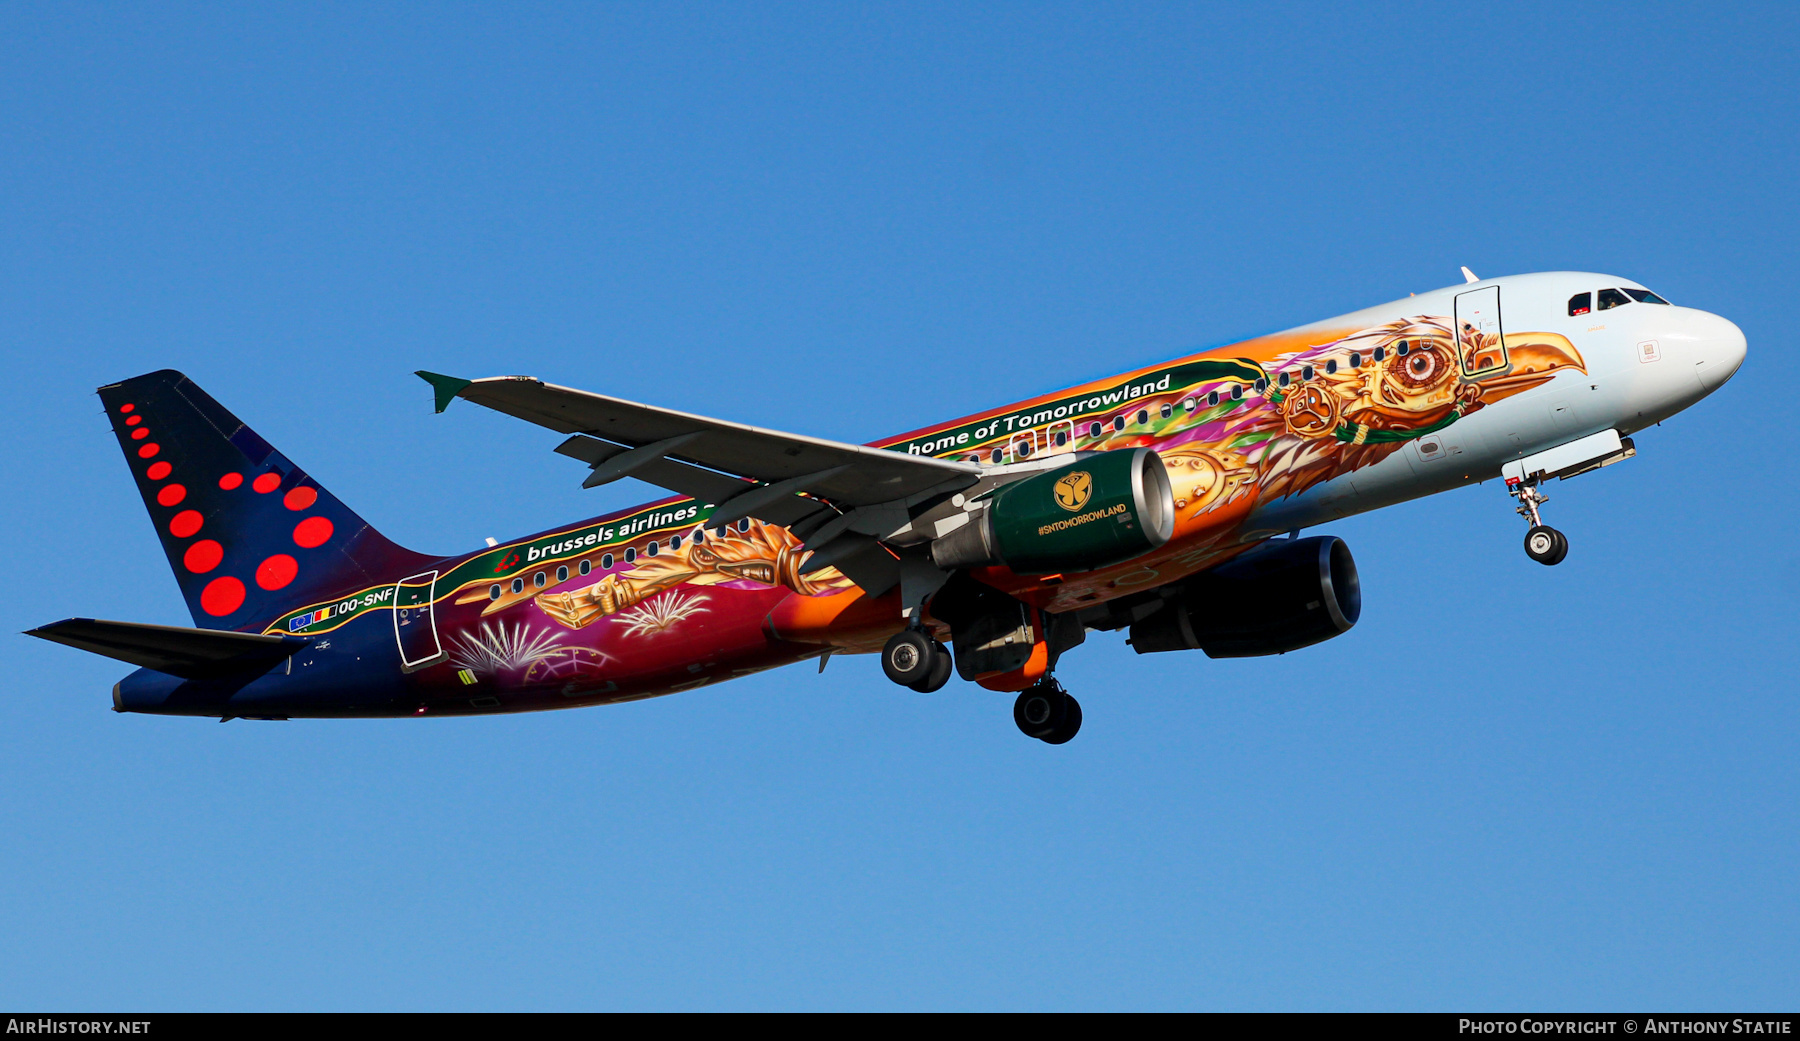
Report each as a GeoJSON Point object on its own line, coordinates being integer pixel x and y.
{"type": "Point", "coordinates": [1509, 787]}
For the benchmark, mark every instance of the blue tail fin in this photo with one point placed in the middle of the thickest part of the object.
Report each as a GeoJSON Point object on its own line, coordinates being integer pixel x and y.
{"type": "Point", "coordinates": [248, 533]}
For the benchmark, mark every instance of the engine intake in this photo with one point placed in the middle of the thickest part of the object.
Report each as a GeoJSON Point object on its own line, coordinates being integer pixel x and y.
{"type": "Point", "coordinates": [1101, 510]}
{"type": "Point", "coordinates": [1279, 597]}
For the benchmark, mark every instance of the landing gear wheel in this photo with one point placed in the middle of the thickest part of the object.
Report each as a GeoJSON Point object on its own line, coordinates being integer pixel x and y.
{"type": "Point", "coordinates": [1040, 709]}
{"type": "Point", "coordinates": [1047, 712]}
{"type": "Point", "coordinates": [941, 664]}
{"type": "Point", "coordinates": [908, 657]}
{"type": "Point", "coordinates": [1071, 724]}
{"type": "Point", "coordinates": [1546, 545]}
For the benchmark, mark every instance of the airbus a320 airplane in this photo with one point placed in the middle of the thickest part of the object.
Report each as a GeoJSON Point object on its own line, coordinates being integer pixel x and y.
{"type": "Point", "coordinates": [1152, 501]}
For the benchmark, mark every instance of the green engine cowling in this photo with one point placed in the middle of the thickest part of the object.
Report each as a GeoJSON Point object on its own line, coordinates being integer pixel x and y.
{"type": "Point", "coordinates": [1098, 511]}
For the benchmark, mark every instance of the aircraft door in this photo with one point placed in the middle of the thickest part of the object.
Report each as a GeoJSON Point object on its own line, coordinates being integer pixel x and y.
{"type": "Point", "coordinates": [415, 626]}
{"type": "Point", "coordinates": [1480, 340]}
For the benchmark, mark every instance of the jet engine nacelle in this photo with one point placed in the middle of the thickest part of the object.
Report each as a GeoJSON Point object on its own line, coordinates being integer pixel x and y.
{"type": "Point", "coordinates": [1100, 510]}
{"type": "Point", "coordinates": [1279, 597]}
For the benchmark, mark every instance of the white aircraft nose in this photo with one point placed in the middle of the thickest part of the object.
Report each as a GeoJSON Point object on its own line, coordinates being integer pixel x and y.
{"type": "Point", "coordinates": [1692, 354]}
{"type": "Point", "coordinates": [1719, 349]}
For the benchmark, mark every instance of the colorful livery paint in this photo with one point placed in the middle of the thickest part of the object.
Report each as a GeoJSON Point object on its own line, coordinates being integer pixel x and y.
{"type": "Point", "coordinates": [1256, 439]}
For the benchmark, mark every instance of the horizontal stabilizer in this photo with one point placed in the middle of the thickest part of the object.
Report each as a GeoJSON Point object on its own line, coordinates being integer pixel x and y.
{"type": "Point", "coordinates": [189, 653]}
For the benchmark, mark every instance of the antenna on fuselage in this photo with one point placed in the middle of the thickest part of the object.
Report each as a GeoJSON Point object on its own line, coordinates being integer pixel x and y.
{"type": "Point", "coordinates": [1469, 276]}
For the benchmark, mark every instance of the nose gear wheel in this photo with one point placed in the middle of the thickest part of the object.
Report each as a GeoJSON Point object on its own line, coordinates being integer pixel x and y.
{"type": "Point", "coordinates": [1546, 545]}
{"type": "Point", "coordinates": [1543, 543]}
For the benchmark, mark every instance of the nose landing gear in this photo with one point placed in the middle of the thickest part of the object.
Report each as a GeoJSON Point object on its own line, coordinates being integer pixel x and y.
{"type": "Point", "coordinates": [1047, 712]}
{"type": "Point", "coordinates": [1543, 543]}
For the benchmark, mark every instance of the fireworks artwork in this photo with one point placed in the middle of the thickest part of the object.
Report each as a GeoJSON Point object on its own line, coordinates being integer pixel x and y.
{"type": "Point", "coordinates": [662, 613]}
{"type": "Point", "coordinates": [497, 646]}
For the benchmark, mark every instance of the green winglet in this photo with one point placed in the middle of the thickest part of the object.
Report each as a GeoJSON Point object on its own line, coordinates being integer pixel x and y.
{"type": "Point", "coordinates": [445, 387]}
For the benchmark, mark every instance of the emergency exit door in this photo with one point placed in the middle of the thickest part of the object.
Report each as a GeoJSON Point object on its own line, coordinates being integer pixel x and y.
{"type": "Point", "coordinates": [415, 626]}
{"type": "Point", "coordinates": [1480, 339]}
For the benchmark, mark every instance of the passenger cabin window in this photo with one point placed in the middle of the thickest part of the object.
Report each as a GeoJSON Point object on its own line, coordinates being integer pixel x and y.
{"type": "Point", "coordinates": [1261, 385]}
{"type": "Point", "coordinates": [1645, 296]}
{"type": "Point", "coordinates": [630, 554]}
{"type": "Point", "coordinates": [1401, 348]}
{"type": "Point", "coordinates": [562, 574]}
{"type": "Point", "coordinates": [1306, 372]}
{"type": "Point", "coordinates": [1355, 360]}
{"type": "Point", "coordinates": [1330, 366]}
{"type": "Point", "coordinates": [494, 591]}
{"type": "Point", "coordinates": [1581, 303]}
{"type": "Point", "coordinates": [994, 456]}
{"type": "Point", "coordinates": [1611, 298]}
{"type": "Point", "coordinates": [674, 542]}
{"type": "Point", "coordinates": [586, 566]}
{"type": "Point", "coordinates": [1283, 380]}
{"type": "Point", "coordinates": [1212, 396]}
{"type": "Point", "coordinates": [1118, 423]}
{"type": "Point", "coordinates": [518, 585]}
{"type": "Point", "coordinates": [1167, 411]}
{"type": "Point", "coordinates": [606, 560]}
{"type": "Point", "coordinates": [1143, 416]}
{"type": "Point", "coordinates": [1237, 392]}
{"type": "Point", "coordinates": [538, 580]}
{"type": "Point", "coordinates": [1380, 355]}
{"type": "Point", "coordinates": [1094, 429]}
{"type": "Point", "coordinates": [1190, 404]}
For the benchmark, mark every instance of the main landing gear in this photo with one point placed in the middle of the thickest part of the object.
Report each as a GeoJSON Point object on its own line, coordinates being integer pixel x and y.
{"type": "Point", "coordinates": [913, 659]}
{"type": "Point", "coordinates": [1047, 712]}
{"type": "Point", "coordinates": [1543, 543]}
{"type": "Point", "coordinates": [1044, 710]}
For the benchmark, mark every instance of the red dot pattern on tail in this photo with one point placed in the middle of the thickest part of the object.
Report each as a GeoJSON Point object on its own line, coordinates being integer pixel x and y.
{"type": "Point", "coordinates": [203, 556]}
{"type": "Point", "coordinates": [222, 596]}
{"type": "Point", "coordinates": [312, 532]}
{"type": "Point", "coordinates": [158, 471]}
{"type": "Point", "coordinates": [149, 450]}
{"type": "Point", "coordinates": [266, 483]}
{"type": "Point", "coordinates": [277, 571]}
{"type": "Point", "coordinates": [185, 524]}
{"type": "Point", "coordinates": [231, 480]}
{"type": "Point", "coordinates": [300, 498]}
{"type": "Point", "coordinates": [170, 495]}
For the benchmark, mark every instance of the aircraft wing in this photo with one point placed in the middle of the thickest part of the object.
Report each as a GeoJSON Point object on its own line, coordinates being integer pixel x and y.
{"type": "Point", "coordinates": [746, 471]}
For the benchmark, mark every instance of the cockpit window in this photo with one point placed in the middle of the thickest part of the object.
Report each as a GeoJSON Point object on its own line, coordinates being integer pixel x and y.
{"type": "Point", "coordinates": [1611, 298]}
{"type": "Point", "coordinates": [1581, 303]}
{"type": "Point", "coordinates": [1645, 296]}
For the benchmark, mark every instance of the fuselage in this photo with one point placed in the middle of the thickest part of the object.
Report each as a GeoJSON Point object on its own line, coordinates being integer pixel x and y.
{"type": "Point", "coordinates": [1260, 437]}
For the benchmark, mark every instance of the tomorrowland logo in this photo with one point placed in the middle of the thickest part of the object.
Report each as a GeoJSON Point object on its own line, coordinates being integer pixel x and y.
{"type": "Point", "coordinates": [1074, 490]}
